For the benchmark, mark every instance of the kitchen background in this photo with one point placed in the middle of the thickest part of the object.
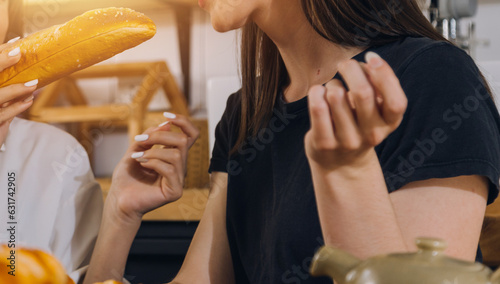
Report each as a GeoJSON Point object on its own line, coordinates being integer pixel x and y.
{"type": "Point", "coordinates": [213, 59]}
{"type": "Point", "coordinates": [213, 75]}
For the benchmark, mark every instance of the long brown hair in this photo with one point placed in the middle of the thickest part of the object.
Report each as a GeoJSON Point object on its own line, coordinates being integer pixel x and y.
{"type": "Point", "coordinates": [345, 22]}
{"type": "Point", "coordinates": [16, 19]}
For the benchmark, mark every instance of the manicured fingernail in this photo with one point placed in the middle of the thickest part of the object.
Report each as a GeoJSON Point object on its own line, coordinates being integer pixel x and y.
{"type": "Point", "coordinates": [31, 83]}
{"type": "Point", "coordinates": [169, 115]}
{"type": "Point", "coordinates": [137, 155]}
{"type": "Point", "coordinates": [163, 124]}
{"type": "Point", "coordinates": [29, 99]}
{"type": "Point", "coordinates": [142, 160]}
{"type": "Point", "coordinates": [14, 39]}
{"type": "Point", "coordinates": [374, 60]}
{"type": "Point", "coordinates": [141, 138]}
{"type": "Point", "coordinates": [14, 52]}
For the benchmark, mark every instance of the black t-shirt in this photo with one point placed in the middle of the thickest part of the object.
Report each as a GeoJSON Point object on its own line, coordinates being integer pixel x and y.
{"type": "Point", "coordinates": [451, 128]}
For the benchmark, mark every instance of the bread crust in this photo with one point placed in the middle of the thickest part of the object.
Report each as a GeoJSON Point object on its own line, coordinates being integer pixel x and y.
{"type": "Point", "coordinates": [30, 266]}
{"type": "Point", "coordinates": [90, 38]}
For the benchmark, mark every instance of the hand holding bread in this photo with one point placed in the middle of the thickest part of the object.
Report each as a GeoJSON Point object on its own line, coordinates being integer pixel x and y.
{"type": "Point", "coordinates": [16, 98]}
{"type": "Point", "coordinates": [88, 39]}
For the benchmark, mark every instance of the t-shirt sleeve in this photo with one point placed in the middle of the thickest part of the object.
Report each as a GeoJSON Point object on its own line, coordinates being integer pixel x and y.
{"type": "Point", "coordinates": [451, 125]}
{"type": "Point", "coordinates": [224, 135]}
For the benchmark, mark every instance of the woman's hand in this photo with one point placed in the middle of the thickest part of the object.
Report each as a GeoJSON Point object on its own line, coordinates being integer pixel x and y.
{"type": "Point", "coordinates": [148, 177]}
{"type": "Point", "coordinates": [347, 125]}
{"type": "Point", "coordinates": [17, 98]}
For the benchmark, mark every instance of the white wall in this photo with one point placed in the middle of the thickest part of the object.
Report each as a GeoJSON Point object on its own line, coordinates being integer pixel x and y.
{"type": "Point", "coordinates": [488, 55]}
{"type": "Point", "coordinates": [212, 53]}
{"type": "Point", "coordinates": [487, 23]}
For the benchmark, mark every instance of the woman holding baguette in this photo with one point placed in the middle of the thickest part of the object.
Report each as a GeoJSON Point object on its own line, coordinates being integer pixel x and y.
{"type": "Point", "coordinates": [357, 126]}
{"type": "Point", "coordinates": [46, 183]}
{"type": "Point", "coordinates": [58, 202]}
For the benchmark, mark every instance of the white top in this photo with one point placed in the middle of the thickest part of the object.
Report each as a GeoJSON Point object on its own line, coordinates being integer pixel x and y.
{"type": "Point", "coordinates": [58, 203]}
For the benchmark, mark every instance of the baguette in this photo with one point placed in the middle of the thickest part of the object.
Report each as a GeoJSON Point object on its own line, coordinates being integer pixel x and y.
{"type": "Point", "coordinates": [90, 38]}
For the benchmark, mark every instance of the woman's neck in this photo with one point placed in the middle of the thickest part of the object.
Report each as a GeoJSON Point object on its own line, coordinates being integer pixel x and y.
{"type": "Point", "coordinates": [309, 58]}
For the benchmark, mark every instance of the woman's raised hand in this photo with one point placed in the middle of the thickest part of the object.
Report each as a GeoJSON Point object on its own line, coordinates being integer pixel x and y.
{"type": "Point", "coordinates": [347, 125]}
{"type": "Point", "coordinates": [17, 98]}
{"type": "Point", "coordinates": [148, 177]}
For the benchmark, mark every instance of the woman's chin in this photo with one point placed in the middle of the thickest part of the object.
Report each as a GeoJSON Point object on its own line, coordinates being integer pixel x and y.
{"type": "Point", "coordinates": [220, 26]}
{"type": "Point", "coordinates": [223, 25]}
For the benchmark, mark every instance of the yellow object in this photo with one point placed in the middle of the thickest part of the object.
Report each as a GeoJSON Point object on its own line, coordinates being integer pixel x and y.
{"type": "Point", "coordinates": [28, 266]}
{"type": "Point", "coordinates": [90, 38]}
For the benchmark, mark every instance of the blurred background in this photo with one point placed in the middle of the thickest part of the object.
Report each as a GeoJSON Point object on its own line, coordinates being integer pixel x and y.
{"type": "Point", "coordinates": [202, 60]}
{"type": "Point", "coordinates": [197, 69]}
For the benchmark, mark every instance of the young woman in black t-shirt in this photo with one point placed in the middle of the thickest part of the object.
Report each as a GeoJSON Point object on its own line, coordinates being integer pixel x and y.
{"type": "Point", "coordinates": [389, 150]}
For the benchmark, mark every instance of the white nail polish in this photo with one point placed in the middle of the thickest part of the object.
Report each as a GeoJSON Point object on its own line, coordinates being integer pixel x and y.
{"type": "Point", "coordinates": [31, 83]}
{"type": "Point", "coordinates": [376, 60]}
{"type": "Point", "coordinates": [163, 124]}
{"type": "Point", "coordinates": [137, 155]}
{"type": "Point", "coordinates": [142, 160]}
{"type": "Point", "coordinates": [15, 52]}
{"type": "Point", "coordinates": [169, 115]}
{"type": "Point", "coordinates": [29, 99]}
{"type": "Point", "coordinates": [141, 138]}
{"type": "Point", "coordinates": [14, 39]}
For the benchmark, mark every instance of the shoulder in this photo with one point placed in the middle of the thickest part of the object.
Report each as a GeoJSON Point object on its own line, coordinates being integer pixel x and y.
{"type": "Point", "coordinates": [424, 55]}
{"type": "Point", "coordinates": [232, 112]}
{"type": "Point", "coordinates": [435, 71]}
{"type": "Point", "coordinates": [226, 133]}
{"type": "Point", "coordinates": [44, 140]}
{"type": "Point", "coordinates": [39, 132]}
{"type": "Point", "coordinates": [233, 103]}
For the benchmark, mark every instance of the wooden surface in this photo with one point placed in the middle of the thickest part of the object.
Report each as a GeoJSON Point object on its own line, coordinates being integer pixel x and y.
{"type": "Point", "coordinates": [189, 208]}
{"type": "Point", "coordinates": [494, 208]}
{"type": "Point", "coordinates": [490, 235]}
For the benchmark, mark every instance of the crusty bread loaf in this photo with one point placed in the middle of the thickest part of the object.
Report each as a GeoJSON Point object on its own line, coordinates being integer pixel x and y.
{"type": "Point", "coordinates": [90, 38]}
{"type": "Point", "coordinates": [110, 282]}
{"type": "Point", "coordinates": [28, 266]}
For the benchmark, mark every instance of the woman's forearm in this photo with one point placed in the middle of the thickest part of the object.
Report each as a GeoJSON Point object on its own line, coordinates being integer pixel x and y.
{"type": "Point", "coordinates": [355, 210]}
{"type": "Point", "coordinates": [112, 247]}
